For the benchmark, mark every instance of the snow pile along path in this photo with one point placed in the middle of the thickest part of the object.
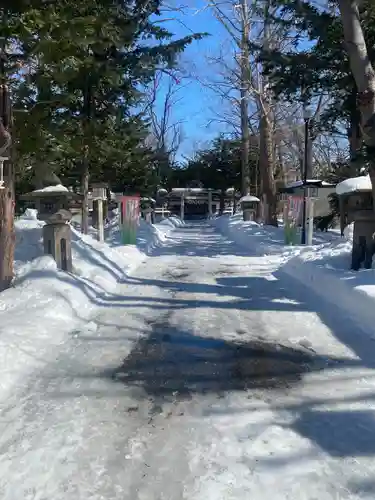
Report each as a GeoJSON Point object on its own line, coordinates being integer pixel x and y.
{"type": "Point", "coordinates": [323, 267]}
{"type": "Point", "coordinates": [46, 305]}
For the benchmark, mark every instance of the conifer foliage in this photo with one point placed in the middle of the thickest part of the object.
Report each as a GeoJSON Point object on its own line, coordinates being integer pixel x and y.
{"type": "Point", "coordinates": [77, 71]}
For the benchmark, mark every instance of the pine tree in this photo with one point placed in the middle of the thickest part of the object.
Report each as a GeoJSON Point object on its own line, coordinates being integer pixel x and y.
{"type": "Point", "coordinates": [77, 74]}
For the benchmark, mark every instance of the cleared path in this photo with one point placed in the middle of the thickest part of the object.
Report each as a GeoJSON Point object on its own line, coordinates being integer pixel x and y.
{"type": "Point", "coordinates": [210, 375]}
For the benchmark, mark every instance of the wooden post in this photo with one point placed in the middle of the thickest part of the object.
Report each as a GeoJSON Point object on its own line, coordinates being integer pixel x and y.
{"type": "Point", "coordinates": [100, 221]}
{"type": "Point", "coordinates": [7, 237]}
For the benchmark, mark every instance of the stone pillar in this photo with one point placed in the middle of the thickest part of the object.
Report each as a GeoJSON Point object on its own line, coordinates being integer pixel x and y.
{"type": "Point", "coordinates": [210, 203]}
{"type": "Point", "coordinates": [100, 221]}
{"type": "Point", "coordinates": [57, 240]}
{"type": "Point", "coordinates": [310, 220]}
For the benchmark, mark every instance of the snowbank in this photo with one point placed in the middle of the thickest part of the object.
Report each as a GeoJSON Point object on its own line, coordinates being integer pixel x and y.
{"type": "Point", "coordinates": [46, 305]}
{"type": "Point", "coordinates": [258, 239]}
{"type": "Point", "coordinates": [323, 267]}
{"type": "Point", "coordinates": [172, 221]}
{"type": "Point", "coordinates": [326, 269]}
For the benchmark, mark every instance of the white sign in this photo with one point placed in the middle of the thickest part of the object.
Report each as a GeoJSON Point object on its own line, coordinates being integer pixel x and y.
{"type": "Point", "coordinates": [99, 194]}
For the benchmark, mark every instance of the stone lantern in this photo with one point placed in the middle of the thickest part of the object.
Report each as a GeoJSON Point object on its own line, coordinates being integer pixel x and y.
{"type": "Point", "coordinates": [52, 203]}
{"type": "Point", "coordinates": [356, 205]}
{"type": "Point", "coordinates": [57, 239]}
{"type": "Point", "coordinates": [148, 209]}
{"type": "Point", "coordinates": [249, 204]}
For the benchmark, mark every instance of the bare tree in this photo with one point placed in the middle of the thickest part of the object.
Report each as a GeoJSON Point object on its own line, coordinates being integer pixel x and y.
{"type": "Point", "coordinates": [166, 134]}
{"type": "Point", "coordinates": [242, 85]}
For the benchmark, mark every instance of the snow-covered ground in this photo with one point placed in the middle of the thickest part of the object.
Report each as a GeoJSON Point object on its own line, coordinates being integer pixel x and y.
{"type": "Point", "coordinates": [207, 373]}
{"type": "Point", "coordinates": [45, 306]}
{"type": "Point", "coordinates": [324, 267]}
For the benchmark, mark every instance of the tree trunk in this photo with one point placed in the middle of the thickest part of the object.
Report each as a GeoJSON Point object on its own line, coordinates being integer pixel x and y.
{"type": "Point", "coordinates": [6, 237]}
{"type": "Point", "coordinates": [361, 67]}
{"type": "Point", "coordinates": [354, 132]}
{"type": "Point", "coordinates": [266, 143]}
{"type": "Point", "coordinates": [266, 168]}
{"type": "Point", "coordinates": [85, 192]}
{"type": "Point", "coordinates": [244, 92]}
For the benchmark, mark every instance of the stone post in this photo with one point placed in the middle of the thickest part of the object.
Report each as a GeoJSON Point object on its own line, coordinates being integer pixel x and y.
{"type": "Point", "coordinates": [57, 239]}
{"type": "Point", "coordinates": [310, 218]}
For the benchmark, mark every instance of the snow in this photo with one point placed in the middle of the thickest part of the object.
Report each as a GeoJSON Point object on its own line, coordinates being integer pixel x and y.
{"type": "Point", "coordinates": [223, 366]}
{"type": "Point", "coordinates": [249, 198]}
{"type": "Point", "coordinates": [323, 267]}
{"type": "Point", "coordinates": [300, 183]}
{"type": "Point", "coordinates": [188, 190]}
{"type": "Point", "coordinates": [59, 188]}
{"type": "Point", "coordinates": [362, 183]}
{"type": "Point", "coordinates": [46, 305]}
{"type": "Point", "coordinates": [148, 199]}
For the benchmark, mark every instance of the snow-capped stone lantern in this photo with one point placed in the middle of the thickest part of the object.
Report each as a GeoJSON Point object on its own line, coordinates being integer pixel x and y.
{"type": "Point", "coordinates": [148, 209]}
{"type": "Point", "coordinates": [52, 203]}
{"type": "Point", "coordinates": [249, 204]}
{"type": "Point", "coordinates": [356, 205]}
{"type": "Point", "coordinates": [162, 193]}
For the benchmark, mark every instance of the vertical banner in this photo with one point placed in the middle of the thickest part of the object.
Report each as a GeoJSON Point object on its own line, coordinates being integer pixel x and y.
{"type": "Point", "coordinates": [292, 217]}
{"type": "Point", "coordinates": [129, 219]}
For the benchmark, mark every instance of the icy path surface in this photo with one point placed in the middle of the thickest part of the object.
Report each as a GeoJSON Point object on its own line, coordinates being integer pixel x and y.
{"type": "Point", "coordinates": [210, 376]}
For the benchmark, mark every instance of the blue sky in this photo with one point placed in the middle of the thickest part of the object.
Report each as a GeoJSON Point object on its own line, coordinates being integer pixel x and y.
{"type": "Point", "coordinates": [197, 104]}
{"type": "Point", "coordinates": [195, 100]}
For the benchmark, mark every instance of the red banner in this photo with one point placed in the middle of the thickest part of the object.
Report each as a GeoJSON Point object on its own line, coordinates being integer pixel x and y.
{"type": "Point", "coordinates": [130, 207]}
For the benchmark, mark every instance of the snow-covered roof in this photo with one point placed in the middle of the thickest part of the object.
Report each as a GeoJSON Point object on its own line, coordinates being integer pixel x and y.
{"type": "Point", "coordinates": [189, 190]}
{"type": "Point", "coordinates": [249, 197]}
{"type": "Point", "coordinates": [148, 199]}
{"type": "Point", "coordinates": [362, 183]}
{"type": "Point", "coordinates": [59, 188]}
{"type": "Point", "coordinates": [314, 182]}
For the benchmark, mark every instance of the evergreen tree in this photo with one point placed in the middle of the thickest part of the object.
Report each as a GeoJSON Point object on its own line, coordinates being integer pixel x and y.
{"type": "Point", "coordinates": [84, 65]}
{"type": "Point", "coordinates": [217, 167]}
{"type": "Point", "coordinates": [322, 68]}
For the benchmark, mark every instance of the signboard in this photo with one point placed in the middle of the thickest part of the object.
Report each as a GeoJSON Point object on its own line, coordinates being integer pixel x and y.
{"type": "Point", "coordinates": [99, 193]}
{"type": "Point", "coordinates": [129, 219]}
{"type": "Point", "coordinates": [292, 215]}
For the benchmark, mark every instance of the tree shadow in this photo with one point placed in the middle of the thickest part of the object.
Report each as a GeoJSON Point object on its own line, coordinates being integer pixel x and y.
{"type": "Point", "coordinates": [99, 259]}
{"type": "Point", "coordinates": [344, 327]}
{"type": "Point", "coordinates": [340, 433]}
{"type": "Point", "coordinates": [209, 243]}
{"type": "Point", "coordinates": [170, 362]}
{"type": "Point", "coordinates": [365, 486]}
